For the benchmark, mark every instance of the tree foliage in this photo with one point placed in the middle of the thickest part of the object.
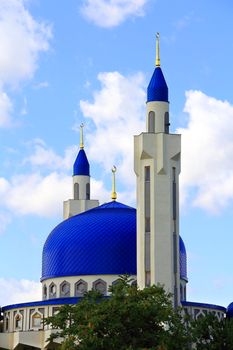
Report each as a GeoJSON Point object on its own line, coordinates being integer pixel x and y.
{"type": "Point", "coordinates": [133, 319]}
{"type": "Point", "coordinates": [211, 334]}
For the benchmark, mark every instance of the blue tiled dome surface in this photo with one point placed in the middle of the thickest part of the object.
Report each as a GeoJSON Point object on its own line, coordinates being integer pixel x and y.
{"type": "Point", "coordinates": [230, 310]}
{"type": "Point", "coordinates": [183, 260]}
{"type": "Point", "coordinates": [157, 89]}
{"type": "Point", "coordinates": [99, 241]}
{"type": "Point", "coordinates": [81, 164]}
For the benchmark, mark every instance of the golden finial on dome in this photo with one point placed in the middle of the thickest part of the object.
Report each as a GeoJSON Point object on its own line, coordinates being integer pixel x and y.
{"type": "Point", "coordinates": [157, 60]}
{"type": "Point", "coordinates": [114, 194]}
{"type": "Point", "coordinates": [81, 136]}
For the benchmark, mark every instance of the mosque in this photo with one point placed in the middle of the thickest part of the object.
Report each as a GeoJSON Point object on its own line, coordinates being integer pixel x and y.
{"type": "Point", "coordinates": [94, 244]}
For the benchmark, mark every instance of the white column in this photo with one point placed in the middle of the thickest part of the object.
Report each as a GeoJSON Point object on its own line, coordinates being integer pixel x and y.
{"type": "Point", "coordinates": [157, 167]}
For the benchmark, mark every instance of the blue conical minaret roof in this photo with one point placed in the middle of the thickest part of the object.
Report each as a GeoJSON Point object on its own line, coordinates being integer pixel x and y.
{"type": "Point", "coordinates": [81, 164]}
{"type": "Point", "coordinates": [157, 89]}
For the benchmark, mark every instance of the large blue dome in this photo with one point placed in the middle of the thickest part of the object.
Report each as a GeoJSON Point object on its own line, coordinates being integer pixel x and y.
{"type": "Point", "coordinates": [97, 242]}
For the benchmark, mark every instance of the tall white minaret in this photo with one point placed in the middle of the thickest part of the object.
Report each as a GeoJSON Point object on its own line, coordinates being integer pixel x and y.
{"type": "Point", "coordinates": [157, 168]}
{"type": "Point", "coordinates": [81, 185]}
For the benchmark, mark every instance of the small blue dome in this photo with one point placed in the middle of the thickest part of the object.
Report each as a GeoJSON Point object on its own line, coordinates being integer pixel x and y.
{"type": "Point", "coordinates": [157, 89]}
{"type": "Point", "coordinates": [97, 242]}
{"type": "Point", "coordinates": [230, 310]}
{"type": "Point", "coordinates": [81, 164]}
{"type": "Point", "coordinates": [183, 260]}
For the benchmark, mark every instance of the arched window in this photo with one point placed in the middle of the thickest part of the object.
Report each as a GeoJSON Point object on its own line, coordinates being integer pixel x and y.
{"type": "Point", "coordinates": [76, 191]}
{"type": "Point", "coordinates": [65, 289]}
{"type": "Point", "coordinates": [52, 290]}
{"type": "Point", "coordinates": [7, 323]}
{"type": "Point", "coordinates": [100, 286]}
{"type": "Point", "coordinates": [181, 293]}
{"type": "Point", "coordinates": [88, 191]}
{"type": "Point", "coordinates": [166, 123]}
{"type": "Point", "coordinates": [44, 291]}
{"type": "Point", "coordinates": [151, 121]}
{"type": "Point", "coordinates": [114, 283]}
{"type": "Point", "coordinates": [36, 320]}
{"type": "Point", "coordinates": [80, 288]}
{"type": "Point", "coordinates": [18, 321]}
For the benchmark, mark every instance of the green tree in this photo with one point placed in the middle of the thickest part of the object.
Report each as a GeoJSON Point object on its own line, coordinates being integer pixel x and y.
{"type": "Point", "coordinates": [211, 334]}
{"type": "Point", "coordinates": [131, 319]}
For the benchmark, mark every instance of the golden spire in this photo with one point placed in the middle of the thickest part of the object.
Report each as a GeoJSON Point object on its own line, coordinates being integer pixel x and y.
{"type": "Point", "coordinates": [157, 60]}
{"type": "Point", "coordinates": [114, 194]}
{"type": "Point", "coordinates": [81, 136]}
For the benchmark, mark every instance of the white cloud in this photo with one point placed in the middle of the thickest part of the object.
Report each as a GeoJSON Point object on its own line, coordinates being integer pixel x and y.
{"type": "Point", "coordinates": [98, 191]}
{"type": "Point", "coordinates": [5, 219]}
{"type": "Point", "coordinates": [207, 152]}
{"type": "Point", "coordinates": [41, 85]}
{"type": "Point", "coordinates": [5, 110]}
{"type": "Point", "coordinates": [35, 194]}
{"type": "Point", "coordinates": [117, 113]}
{"type": "Point", "coordinates": [19, 291]}
{"type": "Point", "coordinates": [22, 38]}
{"type": "Point", "coordinates": [43, 156]}
{"type": "Point", "coordinates": [111, 13]}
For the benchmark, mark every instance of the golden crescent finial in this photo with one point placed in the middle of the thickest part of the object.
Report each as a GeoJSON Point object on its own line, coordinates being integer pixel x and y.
{"type": "Point", "coordinates": [114, 194]}
{"type": "Point", "coordinates": [81, 136]}
{"type": "Point", "coordinates": [157, 60]}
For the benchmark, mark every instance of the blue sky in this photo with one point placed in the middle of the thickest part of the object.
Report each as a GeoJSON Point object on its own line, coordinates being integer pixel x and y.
{"type": "Point", "coordinates": [63, 63]}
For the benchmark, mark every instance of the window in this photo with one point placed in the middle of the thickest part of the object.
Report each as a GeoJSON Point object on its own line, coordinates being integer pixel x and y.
{"type": "Point", "coordinates": [88, 191]}
{"type": "Point", "coordinates": [148, 279]}
{"type": "Point", "coordinates": [45, 292]}
{"type": "Point", "coordinates": [174, 199]}
{"type": "Point", "coordinates": [147, 218]}
{"type": "Point", "coordinates": [100, 286]}
{"type": "Point", "coordinates": [36, 320]}
{"type": "Point", "coordinates": [18, 321]}
{"type": "Point", "coordinates": [52, 290]}
{"type": "Point", "coordinates": [55, 310]}
{"type": "Point", "coordinates": [80, 288]}
{"type": "Point", "coordinates": [76, 191]}
{"type": "Point", "coordinates": [181, 293]}
{"type": "Point", "coordinates": [147, 174]}
{"type": "Point", "coordinates": [114, 283]}
{"type": "Point", "coordinates": [174, 252]}
{"type": "Point", "coordinates": [196, 313]}
{"type": "Point", "coordinates": [65, 289]}
{"type": "Point", "coordinates": [7, 323]}
{"type": "Point", "coordinates": [151, 122]}
{"type": "Point", "coordinates": [166, 123]}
